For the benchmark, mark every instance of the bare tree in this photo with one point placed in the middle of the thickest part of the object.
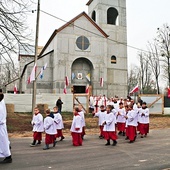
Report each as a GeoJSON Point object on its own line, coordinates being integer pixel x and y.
{"type": "Point", "coordinates": [133, 77]}
{"type": "Point", "coordinates": [145, 76]}
{"type": "Point", "coordinates": [153, 57]}
{"type": "Point", "coordinates": [14, 31]}
{"type": "Point", "coordinates": [163, 41]}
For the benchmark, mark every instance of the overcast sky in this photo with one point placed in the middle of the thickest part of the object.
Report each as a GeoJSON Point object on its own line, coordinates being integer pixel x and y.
{"type": "Point", "coordinates": [143, 19]}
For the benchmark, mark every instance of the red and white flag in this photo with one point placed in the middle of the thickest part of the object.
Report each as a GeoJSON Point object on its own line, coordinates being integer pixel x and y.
{"type": "Point", "coordinates": [32, 75]}
{"type": "Point", "coordinates": [168, 92]}
{"type": "Point", "coordinates": [15, 89]}
{"type": "Point", "coordinates": [87, 88]}
{"type": "Point", "coordinates": [101, 82]}
{"type": "Point", "coordinates": [66, 80]}
{"type": "Point", "coordinates": [135, 89]}
{"type": "Point", "coordinates": [65, 89]}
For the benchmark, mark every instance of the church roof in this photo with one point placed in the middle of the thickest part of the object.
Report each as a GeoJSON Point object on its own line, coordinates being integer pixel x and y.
{"type": "Point", "coordinates": [89, 2]}
{"type": "Point", "coordinates": [67, 24]}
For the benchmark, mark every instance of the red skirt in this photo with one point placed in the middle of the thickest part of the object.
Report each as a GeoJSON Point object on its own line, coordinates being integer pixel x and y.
{"type": "Point", "coordinates": [144, 128]}
{"type": "Point", "coordinates": [110, 135]}
{"type": "Point", "coordinates": [138, 127]}
{"type": "Point", "coordinates": [59, 133]}
{"type": "Point", "coordinates": [49, 139]}
{"type": "Point", "coordinates": [131, 132]}
{"type": "Point", "coordinates": [120, 126]}
{"type": "Point", "coordinates": [127, 132]}
{"type": "Point", "coordinates": [101, 130]}
{"type": "Point", "coordinates": [76, 139]}
{"type": "Point", "coordinates": [37, 136]}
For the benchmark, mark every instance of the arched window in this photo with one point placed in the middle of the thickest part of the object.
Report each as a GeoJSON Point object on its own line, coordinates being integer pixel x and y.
{"type": "Point", "coordinates": [113, 59]}
{"type": "Point", "coordinates": [112, 15]}
{"type": "Point", "coordinates": [94, 16]}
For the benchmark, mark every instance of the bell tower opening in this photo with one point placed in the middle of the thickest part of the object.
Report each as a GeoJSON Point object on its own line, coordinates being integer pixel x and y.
{"type": "Point", "coordinates": [112, 15]}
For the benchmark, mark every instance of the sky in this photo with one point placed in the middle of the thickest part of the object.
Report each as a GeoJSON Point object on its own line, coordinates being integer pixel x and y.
{"type": "Point", "coordinates": [143, 19]}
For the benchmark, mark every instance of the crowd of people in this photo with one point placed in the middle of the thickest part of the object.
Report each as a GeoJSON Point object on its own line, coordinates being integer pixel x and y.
{"type": "Point", "coordinates": [115, 117]}
{"type": "Point", "coordinates": [120, 116]}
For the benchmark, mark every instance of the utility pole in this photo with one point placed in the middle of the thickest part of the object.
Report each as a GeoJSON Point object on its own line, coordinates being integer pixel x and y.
{"type": "Point", "coordinates": [36, 57]}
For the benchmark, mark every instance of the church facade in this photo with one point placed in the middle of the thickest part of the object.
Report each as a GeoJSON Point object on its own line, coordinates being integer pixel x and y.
{"type": "Point", "coordinates": [90, 48]}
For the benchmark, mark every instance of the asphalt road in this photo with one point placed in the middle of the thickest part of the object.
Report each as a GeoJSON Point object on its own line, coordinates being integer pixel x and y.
{"type": "Point", "coordinates": [151, 153]}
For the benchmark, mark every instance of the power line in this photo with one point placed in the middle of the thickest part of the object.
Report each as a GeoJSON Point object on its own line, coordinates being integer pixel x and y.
{"type": "Point", "coordinates": [136, 48]}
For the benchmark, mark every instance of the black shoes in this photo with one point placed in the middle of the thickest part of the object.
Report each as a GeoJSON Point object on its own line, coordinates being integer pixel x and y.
{"type": "Point", "coordinates": [114, 143]}
{"type": "Point", "coordinates": [6, 160]}
{"type": "Point", "coordinates": [46, 147]}
{"type": "Point", "coordinates": [120, 132]}
{"type": "Point", "coordinates": [101, 137]}
{"type": "Point", "coordinates": [108, 143]}
{"type": "Point", "coordinates": [126, 138]}
{"type": "Point", "coordinates": [54, 143]}
{"type": "Point", "coordinates": [62, 137]}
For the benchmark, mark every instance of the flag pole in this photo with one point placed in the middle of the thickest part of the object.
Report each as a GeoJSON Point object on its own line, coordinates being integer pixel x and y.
{"type": "Point", "coordinates": [36, 57]}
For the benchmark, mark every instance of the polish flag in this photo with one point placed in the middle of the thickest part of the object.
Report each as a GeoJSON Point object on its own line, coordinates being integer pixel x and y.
{"type": "Point", "coordinates": [66, 80]}
{"type": "Point", "coordinates": [32, 75]}
{"type": "Point", "coordinates": [135, 89]}
{"type": "Point", "coordinates": [15, 89]}
{"type": "Point", "coordinates": [168, 92]}
{"type": "Point", "coordinates": [101, 82]}
{"type": "Point", "coordinates": [65, 90]}
{"type": "Point", "coordinates": [87, 88]}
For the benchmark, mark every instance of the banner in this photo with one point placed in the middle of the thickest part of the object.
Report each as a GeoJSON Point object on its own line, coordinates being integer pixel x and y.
{"type": "Point", "coordinates": [32, 75]}
{"type": "Point", "coordinates": [135, 89]}
{"type": "Point", "coordinates": [42, 71]}
{"type": "Point", "coordinates": [65, 90]}
{"type": "Point", "coordinates": [87, 88]}
{"type": "Point", "coordinates": [101, 82]}
{"type": "Point", "coordinates": [66, 81]}
{"type": "Point", "coordinates": [88, 76]}
{"type": "Point", "coordinates": [168, 92]}
{"type": "Point", "coordinates": [15, 89]}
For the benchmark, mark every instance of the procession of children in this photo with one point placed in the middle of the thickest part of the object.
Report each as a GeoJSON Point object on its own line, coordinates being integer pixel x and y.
{"type": "Point", "coordinates": [115, 117]}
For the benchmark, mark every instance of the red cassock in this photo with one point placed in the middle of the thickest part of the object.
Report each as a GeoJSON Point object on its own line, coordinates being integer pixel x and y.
{"type": "Point", "coordinates": [120, 126]}
{"type": "Point", "coordinates": [76, 139]}
{"type": "Point", "coordinates": [49, 139]}
{"type": "Point", "coordinates": [101, 130]}
{"type": "Point", "coordinates": [59, 133]}
{"type": "Point", "coordinates": [110, 135]}
{"type": "Point", "coordinates": [131, 132]}
{"type": "Point", "coordinates": [37, 136]}
{"type": "Point", "coordinates": [144, 128]}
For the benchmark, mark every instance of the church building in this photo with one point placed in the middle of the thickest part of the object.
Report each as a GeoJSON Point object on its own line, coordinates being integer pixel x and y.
{"type": "Point", "coordinates": [90, 50]}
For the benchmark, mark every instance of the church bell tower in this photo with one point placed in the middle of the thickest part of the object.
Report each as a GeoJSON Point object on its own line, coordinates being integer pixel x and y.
{"type": "Point", "coordinates": [110, 15]}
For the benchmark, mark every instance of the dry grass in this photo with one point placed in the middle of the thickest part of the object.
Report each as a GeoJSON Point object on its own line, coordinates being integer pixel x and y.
{"type": "Point", "coordinates": [19, 124]}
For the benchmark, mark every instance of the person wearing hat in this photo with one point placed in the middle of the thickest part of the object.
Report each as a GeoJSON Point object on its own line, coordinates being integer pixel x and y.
{"type": "Point", "coordinates": [144, 120]}
{"type": "Point", "coordinates": [4, 141]}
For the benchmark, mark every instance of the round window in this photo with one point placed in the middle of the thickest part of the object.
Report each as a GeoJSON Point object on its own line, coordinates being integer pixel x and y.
{"type": "Point", "coordinates": [82, 43]}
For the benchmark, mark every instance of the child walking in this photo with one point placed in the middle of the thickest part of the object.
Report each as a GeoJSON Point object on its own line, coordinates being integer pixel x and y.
{"type": "Point", "coordinates": [109, 126]}
{"type": "Point", "coordinates": [50, 130]}
{"type": "Point", "coordinates": [37, 123]}
{"type": "Point", "coordinates": [76, 128]}
{"type": "Point", "coordinates": [101, 115]}
{"type": "Point", "coordinates": [58, 123]}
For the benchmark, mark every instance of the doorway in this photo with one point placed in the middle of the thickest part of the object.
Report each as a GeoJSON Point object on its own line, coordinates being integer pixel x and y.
{"type": "Point", "coordinates": [79, 89]}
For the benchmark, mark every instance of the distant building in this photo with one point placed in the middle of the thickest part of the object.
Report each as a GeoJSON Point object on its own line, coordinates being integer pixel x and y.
{"type": "Point", "coordinates": [89, 47]}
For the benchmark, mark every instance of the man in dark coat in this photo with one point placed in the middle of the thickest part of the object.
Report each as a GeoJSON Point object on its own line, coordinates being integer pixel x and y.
{"type": "Point", "coordinates": [59, 104]}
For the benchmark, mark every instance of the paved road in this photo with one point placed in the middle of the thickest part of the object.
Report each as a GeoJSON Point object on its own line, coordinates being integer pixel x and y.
{"type": "Point", "coordinates": [151, 153]}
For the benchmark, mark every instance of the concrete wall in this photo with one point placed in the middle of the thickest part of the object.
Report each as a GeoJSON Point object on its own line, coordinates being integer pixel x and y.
{"type": "Point", "coordinates": [23, 102]}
